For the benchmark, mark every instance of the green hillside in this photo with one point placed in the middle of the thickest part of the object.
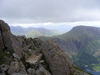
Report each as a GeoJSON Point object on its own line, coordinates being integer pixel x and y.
{"type": "Point", "coordinates": [33, 32]}
{"type": "Point", "coordinates": [83, 45]}
{"type": "Point", "coordinates": [36, 33]}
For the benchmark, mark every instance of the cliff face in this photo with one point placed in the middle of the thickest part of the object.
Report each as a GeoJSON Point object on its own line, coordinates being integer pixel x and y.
{"type": "Point", "coordinates": [8, 41]}
{"type": "Point", "coordinates": [21, 56]}
{"type": "Point", "coordinates": [57, 59]}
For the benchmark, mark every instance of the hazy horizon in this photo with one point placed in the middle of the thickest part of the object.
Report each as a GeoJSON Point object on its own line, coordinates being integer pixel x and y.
{"type": "Point", "coordinates": [42, 13]}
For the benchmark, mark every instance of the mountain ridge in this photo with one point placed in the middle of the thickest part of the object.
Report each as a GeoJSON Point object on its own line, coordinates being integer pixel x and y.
{"type": "Point", "coordinates": [80, 41]}
{"type": "Point", "coordinates": [26, 56]}
{"type": "Point", "coordinates": [30, 31]}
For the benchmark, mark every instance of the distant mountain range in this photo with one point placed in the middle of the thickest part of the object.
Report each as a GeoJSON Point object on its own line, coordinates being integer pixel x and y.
{"type": "Point", "coordinates": [83, 45]}
{"type": "Point", "coordinates": [33, 32]}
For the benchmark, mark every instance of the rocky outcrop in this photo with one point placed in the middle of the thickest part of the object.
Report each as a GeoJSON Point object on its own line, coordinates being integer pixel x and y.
{"type": "Point", "coordinates": [19, 55]}
{"type": "Point", "coordinates": [26, 56]}
{"type": "Point", "coordinates": [57, 59]}
{"type": "Point", "coordinates": [16, 67]}
{"type": "Point", "coordinates": [8, 41]}
{"type": "Point", "coordinates": [33, 59]}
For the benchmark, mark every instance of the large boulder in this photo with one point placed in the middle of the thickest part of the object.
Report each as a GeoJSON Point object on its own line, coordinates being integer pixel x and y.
{"type": "Point", "coordinates": [57, 59]}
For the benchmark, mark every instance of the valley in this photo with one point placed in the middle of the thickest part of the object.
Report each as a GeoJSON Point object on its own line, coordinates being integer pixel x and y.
{"type": "Point", "coordinates": [83, 45]}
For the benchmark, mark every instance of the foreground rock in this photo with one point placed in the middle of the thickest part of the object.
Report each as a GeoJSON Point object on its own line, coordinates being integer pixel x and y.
{"type": "Point", "coordinates": [8, 41]}
{"type": "Point", "coordinates": [57, 59]}
{"type": "Point", "coordinates": [22, 56]}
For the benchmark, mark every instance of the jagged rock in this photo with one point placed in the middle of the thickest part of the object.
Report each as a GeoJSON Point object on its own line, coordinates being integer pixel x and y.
{"type": "Point", "coordinates": [19, 74]}
{"type": "Point", "coordinates": [8, 41]}
{"type": "Point", "coordinates": [15, 56]}
{"type": "Point", "coordinates": [31, 71]}
{"type": "Point", "coordinates": [2, 74]}
{"type": "Point", "coordinates": [16, 67]}
{"type": "Point", "coordinates": [4, 67]}
{"type": "Point", "coordinates": [33, 59]}
{"type": "Point", "coordinates": [57, 59]}
{"type": "Point", "coordinates": [4, 27]}
{"type": "Point", "coordinates": [1, 42]}
{"type": "Point", "coordinates": [42, 71]}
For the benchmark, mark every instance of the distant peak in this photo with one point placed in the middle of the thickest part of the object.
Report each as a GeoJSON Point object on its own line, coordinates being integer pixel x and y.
{"type": "Point", "coordinates": [84, 27]}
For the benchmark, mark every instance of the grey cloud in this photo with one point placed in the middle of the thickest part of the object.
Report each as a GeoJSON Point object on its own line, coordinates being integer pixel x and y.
{"type": "Point", "coordinates": [48, 10]}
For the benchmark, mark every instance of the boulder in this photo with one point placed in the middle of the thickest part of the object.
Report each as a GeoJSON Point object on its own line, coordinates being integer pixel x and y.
{"type": "Point", "coordinates": [57, 59]}
{"type": "Point", "coordinates": [31, 71]}
{"type": "Point", "coordinates": [3, 68]}
{"type": "Point", "coordinates": [16, 67]}
{"type": "Point", "coordinates": [42, 71]}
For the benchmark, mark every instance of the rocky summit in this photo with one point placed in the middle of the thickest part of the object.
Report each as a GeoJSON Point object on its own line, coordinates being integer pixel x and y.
{"type": "Point", "coordinates": [27, 56]}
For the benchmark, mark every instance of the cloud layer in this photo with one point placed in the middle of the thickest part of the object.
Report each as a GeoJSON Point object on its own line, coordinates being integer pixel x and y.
{"type": "Point", "coordinates": [40, 11]}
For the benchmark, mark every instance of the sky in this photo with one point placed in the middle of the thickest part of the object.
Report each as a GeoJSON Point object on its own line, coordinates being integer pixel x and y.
{"type": "Point", "coordinates": [45, 13]}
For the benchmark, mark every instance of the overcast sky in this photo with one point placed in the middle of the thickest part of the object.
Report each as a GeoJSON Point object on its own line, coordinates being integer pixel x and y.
{"type": "Point", "coordinates": [50, 12]}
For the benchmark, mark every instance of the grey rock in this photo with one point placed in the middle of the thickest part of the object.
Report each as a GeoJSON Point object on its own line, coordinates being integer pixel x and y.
{"type": "Point", "coordinates": [8, 41]}
{"type": "Point", "coordinates": [42, 71]}
{"type": "Point", "coordinates": [3, 67]}
{"type": "Point", "coordinates": [57, 59]}
{"type": "Point", "coordinates": [34, 59]}
{"type": "Point", "coordinates": [15, 56]}
{"type": "Point", "coordinates": [31, 71]}
{"type": "Point", "coordinates": [19, 74]}
{"type": "Point", "coordinates": [2, 74]}
{"type": "Point", "coordinates": [16, 67]}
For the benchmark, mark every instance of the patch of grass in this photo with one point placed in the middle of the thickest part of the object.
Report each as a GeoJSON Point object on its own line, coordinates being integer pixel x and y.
{"type": "Point", "coordinates": [96, 67]}
{"type": "Point", "coordinates": [76, 68]}
{"type": "Point", "coordinates": [83, 59]}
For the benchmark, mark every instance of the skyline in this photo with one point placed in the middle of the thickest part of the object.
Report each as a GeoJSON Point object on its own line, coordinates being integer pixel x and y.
{"type": "Point", "coordinates": [85, 23]}
{"type": "Point", "coordinates": [40, 13]}
{"type": "Point", "coordinates": [62, 27]}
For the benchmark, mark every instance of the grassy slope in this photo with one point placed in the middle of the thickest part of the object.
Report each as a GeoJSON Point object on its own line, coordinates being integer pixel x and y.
{"type": "Point", "coordinates": [88, 47]}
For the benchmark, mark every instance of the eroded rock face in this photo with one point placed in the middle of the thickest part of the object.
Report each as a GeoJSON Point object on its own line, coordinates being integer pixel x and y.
{"type": "Point", "coordinates": [3, 28]}
{"type": "Point", "coordinates": [8, 41]}
{"type": "Point", "coordinates": [57, 59]}
{"type": "Point", "coordinates": [42, 71]}
{"type": "Point", "coordinates": [16, 67]}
